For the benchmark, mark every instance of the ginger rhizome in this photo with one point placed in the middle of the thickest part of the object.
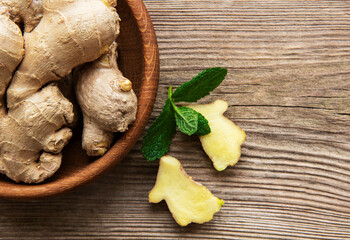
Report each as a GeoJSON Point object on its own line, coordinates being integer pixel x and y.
{"type": "Point", "coordinates": [11, 52]}
{"type": "Point", "coordinates": [188, 201]}
{"type": "Point", "coordinates": [68, 35]}
{"type": "Point", "coordinates": [23, 12]}
{"type": "Point", "coordinates": [30, 139]}
{"type": "Point", "coordinates": [223, 143]}
{"type": "Point", "coordinates": [107, 101]}
{"type": "Point", "coordinates": [59, 35]}
{"type": "Point", "coordinates": [32, 136]}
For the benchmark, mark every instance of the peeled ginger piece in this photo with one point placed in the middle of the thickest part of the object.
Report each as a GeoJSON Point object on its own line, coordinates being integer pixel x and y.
{"type": "Point", "coordinates": [223, 143]}
{"type": "Point", "coordinates": [187, 200]}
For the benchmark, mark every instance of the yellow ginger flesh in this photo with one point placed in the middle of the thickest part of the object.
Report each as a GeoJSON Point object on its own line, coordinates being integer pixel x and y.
{"type": "Point", "coordinates": [188, 201]}
{"type": "Point", "coordinates": [223, 143]}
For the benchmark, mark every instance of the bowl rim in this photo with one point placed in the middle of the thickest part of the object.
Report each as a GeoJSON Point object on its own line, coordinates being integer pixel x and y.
{"type": "Point", "coordinates": [121, 148]}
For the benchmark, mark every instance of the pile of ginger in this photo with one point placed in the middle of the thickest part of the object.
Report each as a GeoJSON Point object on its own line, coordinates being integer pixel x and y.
{"type": "Point", "coordinates": [41, 42]}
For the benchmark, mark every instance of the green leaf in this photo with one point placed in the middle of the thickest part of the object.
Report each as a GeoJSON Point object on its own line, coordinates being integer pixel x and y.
{"type": "Point", "coordinates": [203, 126]}
{"type": "Point", "coordinates": [158, 138]}
{"type": "Point", "coordinates": [186, 120]}
{"type": "Point", "coordinates": [200, 86]}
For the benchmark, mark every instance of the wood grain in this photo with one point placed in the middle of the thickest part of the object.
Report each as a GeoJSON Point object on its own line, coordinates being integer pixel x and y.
{"type": "Point", "coordinates": [288, 88]}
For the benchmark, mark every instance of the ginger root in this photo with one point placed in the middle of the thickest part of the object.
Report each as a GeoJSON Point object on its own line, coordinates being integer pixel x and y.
{"type": "Point", "coordinates": [223, 143]}
{"type": "Point", "coordinates": [32, 126]}
{"type": "Point", "coordinates": [28, 12]}
{"type": "Point", "coordinates": [107, 101]}
{"type": "Point", "coordinates": [188, 201]}
{"type": "Point", "coordinates": [30, 139]}
{"type": "Point", "coordinates": [68, 35]}
{"type": "Point", "coordinates": [11, 52]}
{"type": "Point", "coordinates": [31, 136]}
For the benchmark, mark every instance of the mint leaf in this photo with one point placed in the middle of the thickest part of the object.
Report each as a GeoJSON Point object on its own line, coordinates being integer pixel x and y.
{"type": "Point", "coordinates": [203, 126]}
{"type": "Point", "coordinates": [186, 120]}
{"type": "Point", "coordinates": [158, 138]}
{"type": "Point", "coordinates": [200, 86]}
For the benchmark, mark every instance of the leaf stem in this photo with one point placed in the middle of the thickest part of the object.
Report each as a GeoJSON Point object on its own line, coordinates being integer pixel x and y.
{"type": "Point", "coordinates": [170, 92]}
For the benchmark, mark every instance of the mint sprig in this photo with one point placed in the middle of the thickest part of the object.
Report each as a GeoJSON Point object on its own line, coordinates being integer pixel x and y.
{"type": "Point", "coordinates": [157, 140]}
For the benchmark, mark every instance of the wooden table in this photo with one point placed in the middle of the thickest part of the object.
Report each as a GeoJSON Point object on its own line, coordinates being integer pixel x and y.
{"type": "Point", "coordinates": [288, 87]}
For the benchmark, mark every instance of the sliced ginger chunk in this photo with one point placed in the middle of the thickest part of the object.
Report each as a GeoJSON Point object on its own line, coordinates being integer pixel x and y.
{"type": "Point", "coordinates": [223, 143]}
{"type": "Point", "coordinates": [187, 200]}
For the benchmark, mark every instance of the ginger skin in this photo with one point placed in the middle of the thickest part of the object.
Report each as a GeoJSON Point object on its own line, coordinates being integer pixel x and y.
{"type": "Point", "coordinates": [107, 101]}
{"type": "Point", "coordinates": [31, 136]}
{"type": "Point", "coordinates": [68, 35]}
{"type": "Point", "coordinates": [27, 11]}
{"type": "Point", "coordinates": [31, 133]}
{"type": "Point", "coordinates": [31, 127]}
{"type": "Point", "coordinates": [11, 52]}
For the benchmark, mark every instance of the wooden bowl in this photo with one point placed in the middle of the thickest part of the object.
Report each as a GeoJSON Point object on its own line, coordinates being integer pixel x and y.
{"type": "Point", "coordinates": [139, 61]}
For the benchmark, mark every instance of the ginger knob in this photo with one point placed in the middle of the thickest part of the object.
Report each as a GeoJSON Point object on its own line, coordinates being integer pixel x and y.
{"type": "Point", "coordinates": [125, 85]}
{"type": "Point", "coordinates": [107, 101]}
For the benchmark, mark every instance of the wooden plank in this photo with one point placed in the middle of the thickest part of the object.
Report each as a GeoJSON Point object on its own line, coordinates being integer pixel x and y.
{"type": "Point", "coordinates": [288, 88]}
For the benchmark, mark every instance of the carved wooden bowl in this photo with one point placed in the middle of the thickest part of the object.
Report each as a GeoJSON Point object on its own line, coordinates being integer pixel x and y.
{"type": "Point", "coordinates": [139, 61]}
